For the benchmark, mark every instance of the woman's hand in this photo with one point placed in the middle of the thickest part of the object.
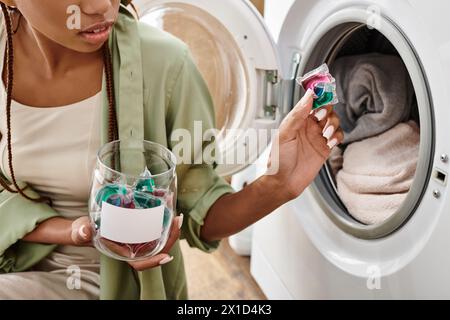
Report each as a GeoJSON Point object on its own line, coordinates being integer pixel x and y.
{"type": "Point", "coordinates": [81, 233]}
{"type": "Point", "coordinates": [62, 231]}
{"type": "Point", "coordinates": [163, 257]}
{"type": "Point", "coordinates": [305, 142]}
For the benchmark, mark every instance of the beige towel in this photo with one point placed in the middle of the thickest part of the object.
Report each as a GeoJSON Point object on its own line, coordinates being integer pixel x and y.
{"type": "Point", "coordinates": [378, 172]}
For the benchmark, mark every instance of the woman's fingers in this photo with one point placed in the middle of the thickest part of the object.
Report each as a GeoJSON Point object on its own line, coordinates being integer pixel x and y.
{"type": "Point", "coordinates": [121, 250]}
{"type": "Point", "coordinates": [314, 134]}
{"type": "Point", "coordinates": [87, 233]}
{"type": "Point", "coordinates": [163, 257]}
{"type": "Point", "coordinates": [174, 233]}
{"type": "Point", "coordinates": [152, 262]}
{"type": "Point", "coordinates": [303, 108]}
{"type": "Point", "coordinates": [82, 232]}
{"type": "Point", "coordinates": [328, 128]}
{"type": "Point", "coordinates": [322, 115]}
{"type": "Point", "coordinates": [332, 125]}
{"type": "Point", "coordinates": [336, 139]}
{"type": "Point", "coordinates": [296, 118]}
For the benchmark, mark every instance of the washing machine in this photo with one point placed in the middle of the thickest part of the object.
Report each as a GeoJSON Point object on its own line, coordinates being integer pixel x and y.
{"type": "Point", "coordinates": [312, 248]}
{"type": "Point", "coordinates": [320, 251]}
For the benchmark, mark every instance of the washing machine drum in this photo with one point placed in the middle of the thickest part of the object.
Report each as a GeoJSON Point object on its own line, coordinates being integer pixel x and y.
{"type": "Point", "coordinates": [374, 182]}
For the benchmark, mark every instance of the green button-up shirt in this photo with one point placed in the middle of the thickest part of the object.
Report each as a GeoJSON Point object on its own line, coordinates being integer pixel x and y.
{"type": "Point", "coordinates": [158, 89]}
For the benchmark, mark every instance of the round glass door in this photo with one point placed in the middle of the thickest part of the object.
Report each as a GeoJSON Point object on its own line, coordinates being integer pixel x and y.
{"type": "Point", "coordinates": [226, 42]}
{"type": "Point", "coordinates": [372, 184]}
{"type": "Point", "coordinates": [214, 51]}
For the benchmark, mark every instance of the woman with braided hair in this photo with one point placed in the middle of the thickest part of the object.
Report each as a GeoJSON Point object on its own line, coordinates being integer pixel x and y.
{"type": "Point", "coordinates": [62, 89]}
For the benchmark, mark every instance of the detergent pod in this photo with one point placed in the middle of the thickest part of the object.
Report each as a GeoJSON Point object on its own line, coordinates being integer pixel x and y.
{"type": "Point", "coordinates": [322, 83]}
{"type": "Point", "coordinates": [117, 195]}
{"type": "Point", "coordinates": [145, 200]}
{"type": "Point", "coordinates": [145, 183]}
{"type": "Point", "coordinates": [325, 94]}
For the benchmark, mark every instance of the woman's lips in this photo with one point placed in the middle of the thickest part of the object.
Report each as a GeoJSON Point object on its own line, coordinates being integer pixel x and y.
{"type": "Point", "coordinates": [97, 33]}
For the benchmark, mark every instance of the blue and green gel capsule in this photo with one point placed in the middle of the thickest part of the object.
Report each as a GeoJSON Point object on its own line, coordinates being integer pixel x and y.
{"type": "Point", "coordinates": [146, 182]}
{"type": "Point", "coordinates": [325, 94]}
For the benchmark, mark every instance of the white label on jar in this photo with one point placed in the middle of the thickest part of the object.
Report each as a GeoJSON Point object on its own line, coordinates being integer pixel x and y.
{"type": "Point", "coordinates": [131, 225]}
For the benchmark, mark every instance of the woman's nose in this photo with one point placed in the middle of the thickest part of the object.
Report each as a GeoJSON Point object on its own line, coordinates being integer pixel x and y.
{"type": "Point", "coordinates": [96, 7]}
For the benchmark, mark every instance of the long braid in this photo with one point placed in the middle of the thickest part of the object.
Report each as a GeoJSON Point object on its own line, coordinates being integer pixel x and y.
{"type": "Point", "coordinates": [9, 83]}
{"type": "Point", "coordinates": [9, 65]}
{"type": "Point", "coordinates": [112, 119]}
{"type": "Point", "coordinates": [9, 59]}
{"type": "Point", "coordinates": [113, 133]}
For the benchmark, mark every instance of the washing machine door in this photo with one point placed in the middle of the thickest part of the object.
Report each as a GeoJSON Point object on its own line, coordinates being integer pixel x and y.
{"type": "Point", "coordinates": [239, 61]}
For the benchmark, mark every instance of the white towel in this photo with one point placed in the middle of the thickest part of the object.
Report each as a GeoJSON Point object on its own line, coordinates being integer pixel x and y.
{"type": "Point", "coordinates": [378, 172]}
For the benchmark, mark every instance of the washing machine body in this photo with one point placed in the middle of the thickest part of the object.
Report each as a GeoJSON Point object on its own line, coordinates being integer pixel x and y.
{"type": "Point", "coordinates": [311, 247]}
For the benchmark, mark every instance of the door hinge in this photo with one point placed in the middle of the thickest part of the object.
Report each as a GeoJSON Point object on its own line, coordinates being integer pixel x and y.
{"type": "Point", "coordinates": [279, 93]}
{"type": "Point", "coordinates": [271, 103]}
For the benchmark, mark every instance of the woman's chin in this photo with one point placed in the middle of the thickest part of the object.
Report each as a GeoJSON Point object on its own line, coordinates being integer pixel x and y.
{"type": "Point", "coordinates": [92, 48]}
{"type": "Point", "coordinates": [83, 47]}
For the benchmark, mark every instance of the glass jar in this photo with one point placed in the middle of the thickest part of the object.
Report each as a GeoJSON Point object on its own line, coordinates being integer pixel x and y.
{"type": "Point", "coordinates": [133, 199]}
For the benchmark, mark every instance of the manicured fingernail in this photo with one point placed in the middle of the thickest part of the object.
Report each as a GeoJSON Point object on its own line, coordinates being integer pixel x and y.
{"type": "Point", "coordinates": [332, 143]}
{"type": "Point", "coordinates": [180, 221]}
{"type": "Point", "coordinates": [81, 232]}
{"type": "Point", "coordinates": [165, 260]}
{"type": "Point", "coordinates": [328, 133]}
{"type": "Point", "coordinates": [321, 114]}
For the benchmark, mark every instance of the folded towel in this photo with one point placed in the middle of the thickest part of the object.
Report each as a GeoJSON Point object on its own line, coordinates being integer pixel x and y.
{"type": "Point", "coordinates": [378, 172]}
{"type": "Point", "coordinates": [375, 94]}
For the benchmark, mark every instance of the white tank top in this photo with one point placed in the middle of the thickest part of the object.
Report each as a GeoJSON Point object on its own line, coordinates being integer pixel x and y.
{"type": "Point", "coordinates": [54, 149]}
